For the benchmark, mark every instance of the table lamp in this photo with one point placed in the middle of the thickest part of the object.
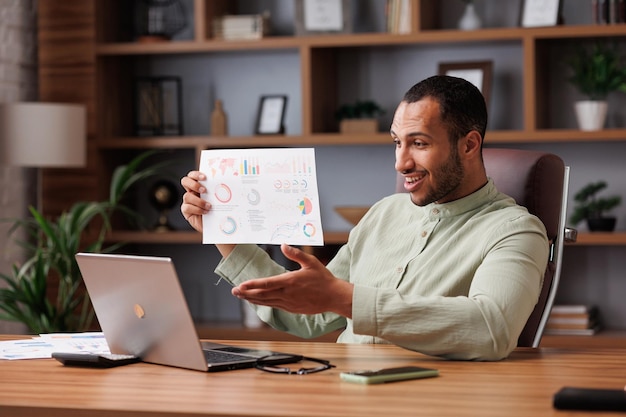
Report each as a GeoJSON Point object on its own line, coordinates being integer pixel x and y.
{"type": "Point", "coordinates": [42, 135]}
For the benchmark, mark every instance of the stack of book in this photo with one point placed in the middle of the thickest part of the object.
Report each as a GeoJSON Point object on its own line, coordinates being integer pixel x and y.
{"type": "Point", "coordinates": [573, 320]}
{"type": "Point", "coordinates": [607, 12]}
{"type": "Point", "coordinates": [399, 16]}
{"type": "Point", "coordinates": [233, 27]}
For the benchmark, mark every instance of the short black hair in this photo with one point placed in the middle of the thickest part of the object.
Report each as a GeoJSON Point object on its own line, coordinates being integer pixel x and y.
{"type": "Point", "coordinates": [462, 105]}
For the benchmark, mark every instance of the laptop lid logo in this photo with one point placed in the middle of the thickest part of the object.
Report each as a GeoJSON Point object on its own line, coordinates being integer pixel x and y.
{"type": "Point", "coordinates": [139, 311]}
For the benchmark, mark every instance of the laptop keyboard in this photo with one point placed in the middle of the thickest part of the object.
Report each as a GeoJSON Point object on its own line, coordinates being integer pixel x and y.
{"type": "Point", "coordinates": [245, 351]}
{"type": "Point", "coordinates": [214, 356]}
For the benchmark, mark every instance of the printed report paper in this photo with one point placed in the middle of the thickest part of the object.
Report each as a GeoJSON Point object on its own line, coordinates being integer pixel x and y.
{"type": "Point", "coordinates": [261, 196]}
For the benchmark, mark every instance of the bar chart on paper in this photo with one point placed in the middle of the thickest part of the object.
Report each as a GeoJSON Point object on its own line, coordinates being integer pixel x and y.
{"type": "Point", "coordinates": [262, 196]}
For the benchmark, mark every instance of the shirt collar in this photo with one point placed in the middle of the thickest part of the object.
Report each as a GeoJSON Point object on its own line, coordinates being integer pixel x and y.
{"type": "Point", "coordinates": [468, 203]}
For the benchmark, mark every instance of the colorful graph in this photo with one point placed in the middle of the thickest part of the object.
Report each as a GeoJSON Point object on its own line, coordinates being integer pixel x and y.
{"type": "Point", "coordinates": [223, 193]}
{"type": "Point", "coordinates": [254, 197]}
{"type": "Point", "coordinates": [249, 166]}
{"type": "Point", "coordinates": [305, 206]}
{"type": "Point", "coordinates": [228, 225]}
{"type": "Point", "coordinates": [309, 230]}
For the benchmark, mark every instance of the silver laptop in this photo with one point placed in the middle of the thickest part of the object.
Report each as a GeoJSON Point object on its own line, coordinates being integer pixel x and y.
{"type": "Point", "coordinates": [143, 312]}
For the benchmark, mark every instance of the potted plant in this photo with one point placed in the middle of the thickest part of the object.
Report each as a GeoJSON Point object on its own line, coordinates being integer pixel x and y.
{"type": "Point", "coordinates": [592, 208]}
{"type": "Point", "coordinates": [596, 71]}
{"type": "Point", "coordinates": [359, 117]}
{"type": "Point", "coordinates": [51, 248]}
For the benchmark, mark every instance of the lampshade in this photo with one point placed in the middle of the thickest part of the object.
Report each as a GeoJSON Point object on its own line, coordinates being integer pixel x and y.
{"type": "Point", "coordinates": [42, 135]}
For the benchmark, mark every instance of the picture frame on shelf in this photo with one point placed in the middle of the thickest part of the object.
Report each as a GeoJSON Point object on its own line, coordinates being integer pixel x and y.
{"type": "Point", "coordinates": [158, 106]}
{"type": "Point", "coordinates": [539, 13]}
{"type": "Point", "coordinates": [479, 73]}
{"type": "Point", "coordinates": [271, 115]}
{"type": "Point", "coordinates": [315, 17]}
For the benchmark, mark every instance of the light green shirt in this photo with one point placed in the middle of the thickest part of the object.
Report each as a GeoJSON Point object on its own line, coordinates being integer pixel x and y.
{"type": "Point", "coordinates": [457, 280]}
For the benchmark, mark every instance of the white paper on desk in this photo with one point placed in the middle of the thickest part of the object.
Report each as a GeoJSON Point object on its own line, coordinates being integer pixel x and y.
{"type": "Point", "coordinates": [44, 345]}
{"type": "Point", "coordinates": [262, 196]}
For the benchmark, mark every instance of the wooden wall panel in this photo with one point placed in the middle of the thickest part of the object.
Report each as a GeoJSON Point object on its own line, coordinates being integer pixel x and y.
{"type": "Point", "coordinates": [66, 36]}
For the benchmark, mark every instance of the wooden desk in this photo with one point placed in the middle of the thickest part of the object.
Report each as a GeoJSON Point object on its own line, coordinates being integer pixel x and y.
{"type": "Point", "coordinates": [522, 385]}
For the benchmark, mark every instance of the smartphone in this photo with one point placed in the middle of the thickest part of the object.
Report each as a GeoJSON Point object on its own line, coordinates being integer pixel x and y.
{"type": "Point", "coordinates": [388, 374]}
{"type": "Point", "coordinates": [94, 360]}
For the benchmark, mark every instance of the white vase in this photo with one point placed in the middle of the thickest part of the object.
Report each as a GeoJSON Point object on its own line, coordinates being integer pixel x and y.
{"type": "Point", "coordinates": [591, 114]}
{"type": "Point", "coordinates": [470, 19]}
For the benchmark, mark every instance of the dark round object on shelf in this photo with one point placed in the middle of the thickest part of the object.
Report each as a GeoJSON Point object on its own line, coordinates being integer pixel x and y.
{"type": "Point", "coordinates": [163, 195]}
{"type": "Point", "coordinates": [602, 224]}
{"type": "Point", "coordinates": [159, 20]}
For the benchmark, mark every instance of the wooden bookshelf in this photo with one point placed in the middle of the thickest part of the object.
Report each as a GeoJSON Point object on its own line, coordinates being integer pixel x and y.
{"type": "Point", "coordinates": [87, 55]}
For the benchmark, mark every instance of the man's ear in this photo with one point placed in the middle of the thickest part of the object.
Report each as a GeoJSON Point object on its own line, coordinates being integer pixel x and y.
{"type": "Point", "coordinates": [470, 145]}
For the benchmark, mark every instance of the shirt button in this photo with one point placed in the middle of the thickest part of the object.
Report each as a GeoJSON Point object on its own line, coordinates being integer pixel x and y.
{"type": "Point", "coordinates": [435, 211]}
{"type": "Point", "coordinates": [399, 269]}
{"type": "Point", "coordinates": [424, 233]}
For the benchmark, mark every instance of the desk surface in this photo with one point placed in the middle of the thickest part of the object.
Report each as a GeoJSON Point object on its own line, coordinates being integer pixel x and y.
{"type": "Point", "coordinates": [522, 385]}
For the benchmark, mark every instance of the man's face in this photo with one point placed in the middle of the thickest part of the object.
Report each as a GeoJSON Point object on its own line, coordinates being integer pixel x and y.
{"type": "Point", "coordinates": [431, 166]}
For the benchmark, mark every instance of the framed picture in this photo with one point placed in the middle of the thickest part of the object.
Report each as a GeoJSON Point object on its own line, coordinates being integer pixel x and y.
{"type": "Point", "coordinates": [158, 106]}
{"type": "Point", "coordinates": [478, 73]}
{"type": "Point", "coordinates": [537, 13]}
{"type": "Point", "coordinates": [271, 115]}
{"type": "Point", "coordinates": [323, 16]}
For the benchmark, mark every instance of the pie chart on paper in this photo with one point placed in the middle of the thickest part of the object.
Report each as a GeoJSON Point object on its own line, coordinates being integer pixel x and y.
{"type": "Point", "coordinates": [305, 206]}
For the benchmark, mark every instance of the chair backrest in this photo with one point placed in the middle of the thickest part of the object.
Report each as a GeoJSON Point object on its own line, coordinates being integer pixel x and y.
{"type": "Point", "coordinates": [539, 181]}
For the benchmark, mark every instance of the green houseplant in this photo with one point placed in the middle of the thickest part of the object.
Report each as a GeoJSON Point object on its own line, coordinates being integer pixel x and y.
{"type": "Point", "coordinates": [592, 208]}
{"type": "Point", "coordinates": [595, 71]}
{"type": "Point", "coordinates": [359, 117]}
{"type": "Point", "coordinates": [50, 250]}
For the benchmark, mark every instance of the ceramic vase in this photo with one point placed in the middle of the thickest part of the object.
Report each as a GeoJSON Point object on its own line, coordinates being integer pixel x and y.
{"type": "Point", "coordinates": [470, 19]}
{"type": "Point", "coordinates": [591, 114]}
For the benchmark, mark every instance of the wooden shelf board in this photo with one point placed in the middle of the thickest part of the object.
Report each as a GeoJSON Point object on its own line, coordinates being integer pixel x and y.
{"type": "Point", "coordinates": [208, 142]}
{"type": "Point", "coordinates": [554, 136]}
{"type": "Point", "coordinates": [600, 238]}
{"type": "Point", "coordinates": [337, 139]}
{"type": "Point", "coordinates": [336, 237]}
{"type": "Point", "coordinates": [185, 47]}
{"type": "Point", "coordinates": [604, 339]}
{"type": "Point", "coordinates": [576, 31]}
{"type": "Point", "coordinates": [155, 237]}
{"type": "Point", "coordinates": [331, 237]}
{"type": "Point", "coordinates": [360, 40]}
{"type": "Point", "coordinates": [314, 41]}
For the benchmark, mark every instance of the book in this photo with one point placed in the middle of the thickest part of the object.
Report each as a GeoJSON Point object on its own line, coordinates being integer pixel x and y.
{"type": "Point", "coordinates": [232, 27]}
{"type": "Point", "coordinates": [573, 319]}
{"type": "Point", "coordinates": [570, 321]}
{"type": "Point", "coordinates": [571, 309]}
{"type": "Point", "coordinates": [398, 16]}
{"type": "Point", "coordinates": [572, 332]}
{"type": "Point", "coordinates": [578, 316]}
{"type": "Point", "coordinates": [570, 326]}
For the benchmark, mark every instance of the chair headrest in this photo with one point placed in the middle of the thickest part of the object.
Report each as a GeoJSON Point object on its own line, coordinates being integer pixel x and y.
{"type": "Point", "coordinates": [533, 178]}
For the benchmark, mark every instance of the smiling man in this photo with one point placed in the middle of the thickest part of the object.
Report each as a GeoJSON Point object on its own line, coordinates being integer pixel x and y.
{"type": "Point", "coordinates": [452, 268]}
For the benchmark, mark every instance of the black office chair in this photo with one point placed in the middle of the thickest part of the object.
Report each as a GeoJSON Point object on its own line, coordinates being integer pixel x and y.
{"type": "Point", "coordinates": [539, 181]}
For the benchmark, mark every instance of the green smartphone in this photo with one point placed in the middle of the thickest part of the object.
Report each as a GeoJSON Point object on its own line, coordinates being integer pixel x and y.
{"type": "Point", "coordinates": [388, 374]}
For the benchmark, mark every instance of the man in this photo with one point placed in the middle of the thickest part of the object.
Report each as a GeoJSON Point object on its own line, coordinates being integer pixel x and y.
{"type": "Point", "coordinates": [453, 268]}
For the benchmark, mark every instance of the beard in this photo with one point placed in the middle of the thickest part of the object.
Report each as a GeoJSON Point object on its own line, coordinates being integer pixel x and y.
{"type": "Point", "coordinates": [447, 177]}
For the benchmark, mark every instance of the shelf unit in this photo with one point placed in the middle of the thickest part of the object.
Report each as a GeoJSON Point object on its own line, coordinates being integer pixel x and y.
{"type": "Point", "coordinates": [105, 56]}
{"type": "Point", "coordinates": [87, 55]}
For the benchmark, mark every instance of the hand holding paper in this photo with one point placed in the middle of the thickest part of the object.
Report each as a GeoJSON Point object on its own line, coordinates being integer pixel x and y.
{"type": "Point", "coordinates": [261, 196]}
